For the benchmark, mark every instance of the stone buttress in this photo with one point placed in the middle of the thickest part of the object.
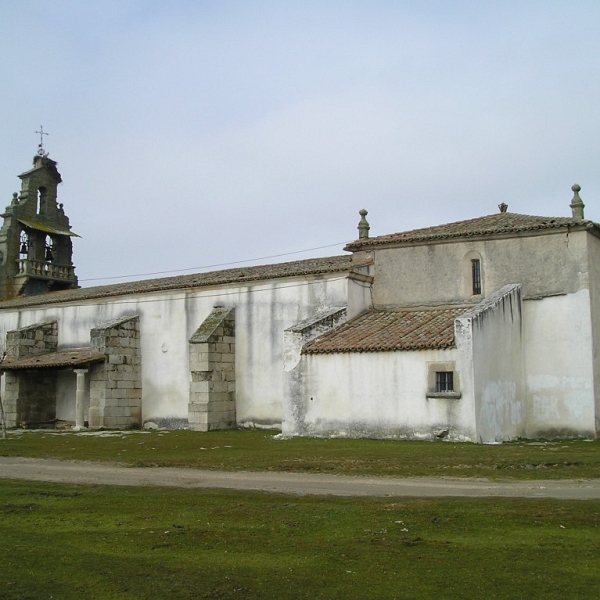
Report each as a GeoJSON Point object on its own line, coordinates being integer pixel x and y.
{"type": "Point", "coordinates": [212, 372]}
{"type": "Point", "coordinates": [116, 384]}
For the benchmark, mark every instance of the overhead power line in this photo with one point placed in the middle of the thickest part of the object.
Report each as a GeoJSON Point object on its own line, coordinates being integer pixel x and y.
{"type": "Point", "coordinates": [227, 264]}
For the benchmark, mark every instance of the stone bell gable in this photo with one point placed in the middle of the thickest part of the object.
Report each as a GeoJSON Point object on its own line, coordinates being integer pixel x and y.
{"type": "Point", "coordinates": [35, 238]}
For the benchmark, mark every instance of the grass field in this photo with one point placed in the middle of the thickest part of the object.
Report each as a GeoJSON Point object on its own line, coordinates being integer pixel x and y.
{"type": "Point", "coordinates": [265, 451]}
{"type": "Point", "coordinates": [67, 542]}
{"type": "Point", "coordinates": [104, 542]}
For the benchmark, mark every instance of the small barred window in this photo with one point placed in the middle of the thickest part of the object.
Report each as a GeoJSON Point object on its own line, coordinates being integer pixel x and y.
{"type": "Point", "coordinates": [444, 381]}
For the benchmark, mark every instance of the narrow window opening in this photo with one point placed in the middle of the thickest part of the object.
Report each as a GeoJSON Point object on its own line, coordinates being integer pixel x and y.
{"type": "Point", "coordinates": [41, 201]}
{"type": "Point", "coordinates": [444, 381]}
{"type": "Point", "coordinates": [476, 276]}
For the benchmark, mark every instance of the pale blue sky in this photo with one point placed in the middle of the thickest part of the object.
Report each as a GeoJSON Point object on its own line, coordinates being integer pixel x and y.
{"type": "Point", "coordinates": [194, 133]}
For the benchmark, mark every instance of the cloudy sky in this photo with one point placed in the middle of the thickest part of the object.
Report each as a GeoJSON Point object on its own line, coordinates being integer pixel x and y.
{"type": "Point", "coordinates": [195, 133]}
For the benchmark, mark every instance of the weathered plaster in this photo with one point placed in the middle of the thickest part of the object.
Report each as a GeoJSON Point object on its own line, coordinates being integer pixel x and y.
{"type": "Point", "coordinates": [492, 334]}
{"type": "Point", "coordinates": [378, 394]}
{"type": "Point", "coordinates": [167, 321]}
{"type": "Point", "coordinates": [559, 366]}
{"type": "Point", "coordinates": [594, 281]}
{"type": "Point", "coordinates": [439, 273]}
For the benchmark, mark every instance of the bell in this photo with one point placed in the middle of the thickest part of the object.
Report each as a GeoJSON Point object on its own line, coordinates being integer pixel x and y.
{"type": "Point", "coordinates": [23, 249]}
{"type": "Point", "coordinates": [49, 256]}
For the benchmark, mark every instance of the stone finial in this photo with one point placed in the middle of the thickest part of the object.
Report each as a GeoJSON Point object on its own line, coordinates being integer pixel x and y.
{"type": "Point", "coordinates": [363, 225]}
{"type": "Point", "coordinates": [15, 198]}
{"type": "Point", "coordinates": [503, 207]}
{"type": "Point", "coordinates": [577, 204]}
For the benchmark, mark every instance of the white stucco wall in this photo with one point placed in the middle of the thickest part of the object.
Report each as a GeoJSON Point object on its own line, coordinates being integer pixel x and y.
{"type": "Point", "coordinates": [167, 320]}
{"type": "Point", "coordinates": [559, 366]}
{"type": "Point", "coordinates": [378, 394]}
{"type": "Point", "coordinates": [594, 287]}
{"type": "Point", "coordinates": [489, 338]}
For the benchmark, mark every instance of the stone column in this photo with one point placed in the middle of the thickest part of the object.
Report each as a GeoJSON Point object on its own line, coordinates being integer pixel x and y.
{"type": "Point", "coordinates": [80, 400]}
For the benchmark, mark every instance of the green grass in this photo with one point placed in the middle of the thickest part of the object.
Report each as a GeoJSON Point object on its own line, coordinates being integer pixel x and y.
{"type": "Point", "coordinates": [263, 451]}
{"type": "Point", "coordinates": [105, 542]}
{"type": "Point", "coordinates": [64, 541]}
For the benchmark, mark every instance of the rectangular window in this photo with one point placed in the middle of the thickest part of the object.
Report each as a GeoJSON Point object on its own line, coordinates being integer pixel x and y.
{"type": "Point", "coordinates": [476, 272]}
{"type": "Point", "coordinates": [444, 381]}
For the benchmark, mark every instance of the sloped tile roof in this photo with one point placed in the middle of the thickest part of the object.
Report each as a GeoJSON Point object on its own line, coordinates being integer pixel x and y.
{"type": "Point", "coordinates": [311, 266]}
{"type": "Point", "coordinates": [54, 360]}
{"type": "Point", "coordinates": [499, 223]}
{"type": "Point", "coordinates": [387, 330]}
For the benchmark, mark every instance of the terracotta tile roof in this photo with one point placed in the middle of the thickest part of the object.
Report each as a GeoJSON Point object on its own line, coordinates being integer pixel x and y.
{"type": "Point", "coordinates": [311, 266]}
{"type": "Point", "coordinates": [53, 360]}
{"type": "Point", "coordinates": [386, 330]}
{"type": "Point", "coordinates": [499, 223]}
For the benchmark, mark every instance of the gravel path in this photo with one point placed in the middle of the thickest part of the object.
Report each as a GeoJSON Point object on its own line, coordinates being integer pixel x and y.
{"type": "Point", "coordinates": [94, 473]}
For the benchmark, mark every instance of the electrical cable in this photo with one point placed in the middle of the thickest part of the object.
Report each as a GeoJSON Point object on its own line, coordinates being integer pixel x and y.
{"type": "Point", "coordinates": [237, 262]}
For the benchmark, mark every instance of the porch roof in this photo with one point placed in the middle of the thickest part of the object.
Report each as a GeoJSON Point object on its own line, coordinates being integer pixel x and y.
{"type": "Point", "coordinates": [391, 330]}
{"type": "Point", "coordinates": [73, 357]}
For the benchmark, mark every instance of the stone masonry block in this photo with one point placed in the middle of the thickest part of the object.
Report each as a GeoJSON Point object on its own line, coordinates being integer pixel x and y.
{"type": "Point", "coordinates": [201, 375]}
{"type": "Point", "coordinates": [200, 418]}
{"type": "Point", "coordinates": [197, 387]}
{"type": "Point", "coordinates": [198, 365]}
{"type": "Point", "coordinates": [222, 348]}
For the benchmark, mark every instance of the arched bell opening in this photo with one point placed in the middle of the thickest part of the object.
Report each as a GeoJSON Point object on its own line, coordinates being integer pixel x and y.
{"type": "Point", "coordinates": [23, 244]}
{"type": "Point", "coordinates": [48, 249]}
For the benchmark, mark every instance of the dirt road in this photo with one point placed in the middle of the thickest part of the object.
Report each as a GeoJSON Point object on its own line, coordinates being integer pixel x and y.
{"type": "Point", "coordinates": [74, 472]}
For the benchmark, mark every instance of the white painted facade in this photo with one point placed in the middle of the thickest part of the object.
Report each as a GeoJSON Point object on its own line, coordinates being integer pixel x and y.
{"type": "Point", "coordinates": [167, 320]}
{"type": "Point", "coordinates": [526, 357]}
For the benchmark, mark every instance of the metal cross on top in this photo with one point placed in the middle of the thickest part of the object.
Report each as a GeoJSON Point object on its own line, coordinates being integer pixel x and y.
{"type": "Point", "coordinates": [41, 144]}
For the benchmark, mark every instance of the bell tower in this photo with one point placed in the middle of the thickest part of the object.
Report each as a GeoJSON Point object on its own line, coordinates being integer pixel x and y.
{"type": "Point", "coordinates": [35, 238]}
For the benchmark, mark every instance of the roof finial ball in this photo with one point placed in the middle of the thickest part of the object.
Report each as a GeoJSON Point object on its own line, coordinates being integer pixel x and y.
{"type": "Point", "coordinates": [363, 226]}
{"type": "Point", "coordinates": [577, 204]}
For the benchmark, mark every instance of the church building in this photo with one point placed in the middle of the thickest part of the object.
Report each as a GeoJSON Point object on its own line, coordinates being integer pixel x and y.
{"type": "Point", "coordinates": [482, 330]}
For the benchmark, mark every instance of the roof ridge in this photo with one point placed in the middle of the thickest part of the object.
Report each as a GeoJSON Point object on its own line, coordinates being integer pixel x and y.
{"type": "Point", "coordinates": [496, 223]}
